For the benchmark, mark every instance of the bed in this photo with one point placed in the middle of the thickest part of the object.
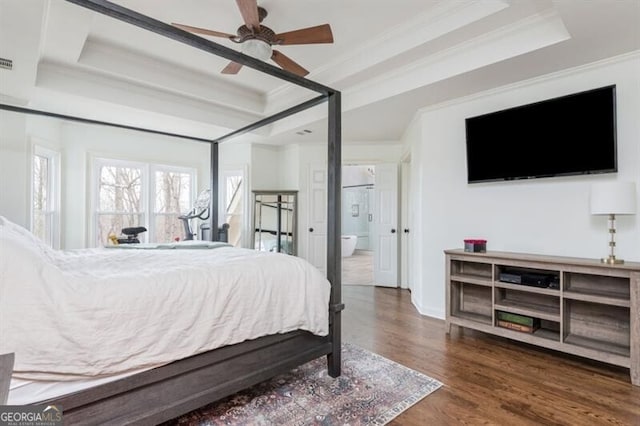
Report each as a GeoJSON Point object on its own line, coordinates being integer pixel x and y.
{"type": "Point", "coordinates": [162, 389]}
{"type": "Point", "coordinates": [99, 315]}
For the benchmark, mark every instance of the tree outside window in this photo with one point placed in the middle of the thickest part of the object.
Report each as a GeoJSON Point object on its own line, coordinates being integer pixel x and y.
{"type": "Point", "coordinates": [138, 194]}
{"type": "Point", "coordinates": [119, 200]}
{"type": "Point", "coordinates": [172, 199]}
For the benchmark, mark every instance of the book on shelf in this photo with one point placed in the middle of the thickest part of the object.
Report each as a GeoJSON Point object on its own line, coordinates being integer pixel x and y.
{"type": "Point", "coordinates": [516, 327]}
{"type": "Point", "coordinates": [519, 319]}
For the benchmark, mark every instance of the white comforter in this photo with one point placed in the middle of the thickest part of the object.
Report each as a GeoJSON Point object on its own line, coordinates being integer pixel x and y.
{"type": "Point", "coordinates": [94, 313]}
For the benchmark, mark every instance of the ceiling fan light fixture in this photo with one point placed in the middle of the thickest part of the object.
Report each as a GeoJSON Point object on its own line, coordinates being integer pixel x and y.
{"type": "Point", "coordinates": [256, 40]}
{"type": "Point", "coordinates": [258, 49]}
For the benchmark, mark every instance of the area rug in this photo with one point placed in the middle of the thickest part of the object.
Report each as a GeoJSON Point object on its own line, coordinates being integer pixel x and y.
{"type": "Point", "coordinates": [372, 390]}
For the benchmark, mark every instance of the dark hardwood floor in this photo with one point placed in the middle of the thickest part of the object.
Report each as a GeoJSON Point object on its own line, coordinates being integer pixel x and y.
{"type": "Point", "coordinates": [487, 380]}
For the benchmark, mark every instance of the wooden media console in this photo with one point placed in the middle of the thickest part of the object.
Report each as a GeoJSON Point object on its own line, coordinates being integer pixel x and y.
{"type": "Point", "coordinates": [591, 309]}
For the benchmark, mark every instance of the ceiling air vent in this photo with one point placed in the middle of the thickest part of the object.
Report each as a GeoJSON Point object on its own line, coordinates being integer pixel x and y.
{"type": "Point", "coordinates": [7, 64]}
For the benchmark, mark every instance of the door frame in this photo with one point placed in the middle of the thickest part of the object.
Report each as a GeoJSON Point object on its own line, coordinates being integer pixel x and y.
{"type": "Point", "coordinates": [365, 162]}
{"type": "Point", "coordinates": [406, 221]}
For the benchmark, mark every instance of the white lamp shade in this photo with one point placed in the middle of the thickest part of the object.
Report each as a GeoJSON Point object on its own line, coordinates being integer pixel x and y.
{"type": "Point", "coordinates": [613, 198]}
{"type": "Point", "coordinates": [258, 49]}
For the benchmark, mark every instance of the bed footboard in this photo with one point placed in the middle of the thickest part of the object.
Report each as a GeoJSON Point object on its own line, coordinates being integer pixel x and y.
{"type": "Point", "coordinates": [6, 368]}
{"type": "Point", "coordinates": [161, 394]}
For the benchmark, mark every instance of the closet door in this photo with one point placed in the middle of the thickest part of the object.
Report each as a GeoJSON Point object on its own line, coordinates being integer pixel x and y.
{"type": "Point", "coordinates": [317, 218]}
{"type": "Point", "coordinates": [385, 259]}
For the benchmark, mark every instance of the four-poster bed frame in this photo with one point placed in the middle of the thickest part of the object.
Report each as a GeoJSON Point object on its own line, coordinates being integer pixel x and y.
{"type": "Point", "coordinates": [166, 392]}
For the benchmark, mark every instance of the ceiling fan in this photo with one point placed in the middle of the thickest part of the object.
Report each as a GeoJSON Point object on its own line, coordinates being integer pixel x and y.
{"type": "Point", "coordinates": [258, 41]}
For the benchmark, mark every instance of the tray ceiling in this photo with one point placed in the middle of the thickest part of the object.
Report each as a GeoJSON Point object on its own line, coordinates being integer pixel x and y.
{"type": "Point", "coordinates": [389, 58]}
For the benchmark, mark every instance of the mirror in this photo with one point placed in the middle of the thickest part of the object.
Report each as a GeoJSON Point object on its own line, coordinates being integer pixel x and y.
{"type": "Point", "coordinates": [275, 221]}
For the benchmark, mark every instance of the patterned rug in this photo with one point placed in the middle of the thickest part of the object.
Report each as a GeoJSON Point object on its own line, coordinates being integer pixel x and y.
{"type": "Point", "coordinates": [372, 390]}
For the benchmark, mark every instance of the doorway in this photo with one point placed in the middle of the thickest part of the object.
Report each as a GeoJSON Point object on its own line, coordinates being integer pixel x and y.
{"type": "Point", "coordinates": [370, 237]}
{"type": "Point", "coordinates": [358, 184]}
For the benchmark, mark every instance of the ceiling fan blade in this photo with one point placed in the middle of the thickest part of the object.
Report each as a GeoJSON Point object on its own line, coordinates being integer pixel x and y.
{"type": "Point", "coordinates": [311, 35]}
{"type": "Point", "coordinates": [204, 31]}
{"type": "Point", "coordinates": [249, 12]}
{"type": "Point", "coordinates": [288, 64]}
{"type": "Point", "coordinates": [232, 68]}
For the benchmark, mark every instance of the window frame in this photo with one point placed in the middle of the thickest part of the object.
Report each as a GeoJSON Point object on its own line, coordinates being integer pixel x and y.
{"type": "Point", "coordinates": [148, 182]}
{"type": "Point", "coordinates": [53, 190]}
{"type": "Point", "coordinates": [243, 172]}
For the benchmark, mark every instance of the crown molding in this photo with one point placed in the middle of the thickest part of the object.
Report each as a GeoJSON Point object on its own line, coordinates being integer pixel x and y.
{"type": "Point", "coordinates": [11, 100]}
{"type": "Point", "coordinates": [44, 25]}
{"type": "Point", "coordinates": [85, 85]}
{"type": "Point", "coordinates": [625, 57]}
{"type": "Point", "coordinates": [65, 29]}
{"type": "Point", "coordinates": [523, 36]}
{"type": "Point", "coordinates": [514, 39]}
{"type": "Point", "coordinates": [121, 61]}
{"type": "Point", "coordinates": [441, 19]}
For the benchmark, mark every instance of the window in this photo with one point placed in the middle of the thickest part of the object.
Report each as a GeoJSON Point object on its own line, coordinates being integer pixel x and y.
{"type": "Point", "coordinates": [232, 196]}
{"type": "Point", "coordinates": [45, 196]}
{"type": "Point", "coordinates": [172, 199]}
{"type": "Point", "coordinates": [139, 194]}
{"type": "Point", "coordinates": [120, 198]}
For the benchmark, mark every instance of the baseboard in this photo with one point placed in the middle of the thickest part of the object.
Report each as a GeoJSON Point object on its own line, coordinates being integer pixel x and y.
{"type": "Point", "coordinates": [428, 311]}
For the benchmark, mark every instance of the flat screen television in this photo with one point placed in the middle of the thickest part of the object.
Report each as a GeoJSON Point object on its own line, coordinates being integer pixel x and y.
{"type": "Point", "coordinates": [569, 135]}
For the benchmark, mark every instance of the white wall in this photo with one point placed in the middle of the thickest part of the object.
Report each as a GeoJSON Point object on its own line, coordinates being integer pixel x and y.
{"type": "Point", "coordinates": [232, 155]}
{"type": "Point", "coordinates": [78, 144]}
{"type": "Point", "coordinates": [82, 143]}
{"type": "Point", "coordinates": [289, 167]}
{"type": "Point", "coordinates": [265, 167]}
{"type": "Point", "coordinates": [14, 163]}
{"type": "Point", "coordinates": [546, 216]}
{"type": "Point", "coordinates": [412, 140]}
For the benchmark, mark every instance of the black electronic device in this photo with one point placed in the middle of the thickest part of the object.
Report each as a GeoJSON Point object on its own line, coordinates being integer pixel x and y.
{"type": "Point", "coordinates": [555, 282]}
{"type": "Point", "coordinates": [131, 235]}
{"type": "Point", "coordinates": [569, 135]}
{"type": "Point", "coordinates": [529, 278]}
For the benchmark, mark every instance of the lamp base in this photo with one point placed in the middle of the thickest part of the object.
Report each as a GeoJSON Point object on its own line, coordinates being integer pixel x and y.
{"type": "Point", "coordinates": [611, 260]}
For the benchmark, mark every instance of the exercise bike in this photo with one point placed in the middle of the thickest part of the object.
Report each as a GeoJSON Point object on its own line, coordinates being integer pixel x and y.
{"type": "Point", "coordinates": [200, 211]}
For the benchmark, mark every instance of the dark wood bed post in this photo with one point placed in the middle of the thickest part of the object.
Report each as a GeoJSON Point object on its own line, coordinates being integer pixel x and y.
{"type": "Point", "coordinates": [334, 246]}
{"type": "Point", "coordinates": [213, 202]}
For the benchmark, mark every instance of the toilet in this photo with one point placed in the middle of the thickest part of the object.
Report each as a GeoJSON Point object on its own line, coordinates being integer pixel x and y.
{"type": "Point", "coordinates": [348, 244]}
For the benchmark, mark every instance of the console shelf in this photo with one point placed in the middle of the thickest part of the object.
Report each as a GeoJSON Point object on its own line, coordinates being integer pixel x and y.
{"type": "Point", "coordinates": [547, 334]}
{"type": "Point", "coordinates": [605, 300]}
{"type": "Point", "coordinates": [547, 291]}
{"type": "Point", "coordinates": [598, 345]}
{"type": "Point", "coordinates": [478, 280]}
{"type": "Point", "coordinates": [529, 309]}
{"type": "Point", "coordinates": [594, 314]}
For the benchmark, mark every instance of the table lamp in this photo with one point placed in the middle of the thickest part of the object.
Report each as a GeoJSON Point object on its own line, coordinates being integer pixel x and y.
{"type": "Point", "coordinates": [613, 198]}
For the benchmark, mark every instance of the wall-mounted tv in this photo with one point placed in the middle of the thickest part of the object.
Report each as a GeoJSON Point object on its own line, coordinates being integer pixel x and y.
{"type": "Point", "coordinates": [569, 135]}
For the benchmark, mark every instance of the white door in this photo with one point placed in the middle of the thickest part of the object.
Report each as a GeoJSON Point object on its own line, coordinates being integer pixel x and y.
{"type": "Point", "coordinates": [385, 258]}
{"type": "Point", "coordinates": [317, 218]}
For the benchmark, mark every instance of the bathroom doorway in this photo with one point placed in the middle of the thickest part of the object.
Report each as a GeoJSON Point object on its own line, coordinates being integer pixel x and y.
{"type": "Point", "coordinates": [358, 184]}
